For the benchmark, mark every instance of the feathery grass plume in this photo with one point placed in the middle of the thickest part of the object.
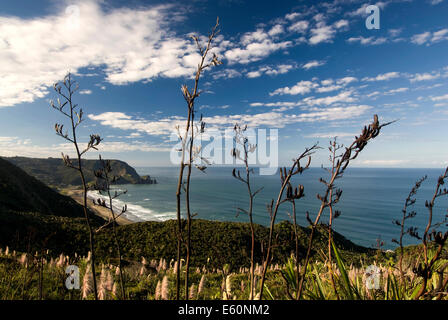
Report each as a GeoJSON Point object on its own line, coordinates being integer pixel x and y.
{"type": "Point", "coordinates": [201, 285]}
{"type": "Point", "coordinates": [65, 90]}
{"type": "Point", "coordinates": [1, 251]}
{"type": "Point", "coordinates": [187, 145]}
{"type": "Point", "coordinates": [227, 290]}
{"type": "Point", "coordinates": [142, 270]}
{"type": "Point", "coordinates": [165, 289]}
{"type": "Point", "coordinates": [109, 281]}
{"type": "Point", "coordinates": [87, 283]}
{"type": "Point", "coordinates": [117, 271]}
{"type": "Point", "coordinates": [102, 292]}
{"type": "Point", "coordinates": [175, 268]}
{"type": "Point", "coordinates": [7, 251]}
{"type": "Point", "coordinates": [61, 261]}
{"type": "Point", "coordinates": [192, 293]}
{"type": "Point", "coordinates": [23, 260]}
{"type": "Point", "coordinates": [158, 293]}
{"type": "Point", "coordinates": [115, 290]}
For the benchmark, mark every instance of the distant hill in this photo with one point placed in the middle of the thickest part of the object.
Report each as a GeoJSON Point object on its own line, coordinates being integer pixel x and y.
{"type": "Point", "coordinates": [22, 192]}
{"type": "Point", "coordinates": [53, 171]}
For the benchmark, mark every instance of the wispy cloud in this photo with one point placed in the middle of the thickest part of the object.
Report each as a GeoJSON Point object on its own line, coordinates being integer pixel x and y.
{"type": "Point", "coordinates": [383, 76]}
{"type": "Point", "coordinates": [313, 64]}
{"type": "Point", "coordinates": [430, 37]}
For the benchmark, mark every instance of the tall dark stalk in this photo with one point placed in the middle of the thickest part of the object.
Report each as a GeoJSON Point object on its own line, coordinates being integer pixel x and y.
{"type": "Point", "coordinates": [187, 142]}
{"type": "Point", "coordinates": [248, 148]}
{"type": "Point", "coordinates": [334, 148]}
{"type": "Point", "coordinates": [65, 101]}
{"type": "Point", "coordinates": [409, 202]}
{"type": "Point", "coordinates": [104, 175]}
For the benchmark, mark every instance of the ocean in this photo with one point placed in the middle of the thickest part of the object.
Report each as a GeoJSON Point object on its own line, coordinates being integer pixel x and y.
{"type": "Point", "coordinates": [371, 199]}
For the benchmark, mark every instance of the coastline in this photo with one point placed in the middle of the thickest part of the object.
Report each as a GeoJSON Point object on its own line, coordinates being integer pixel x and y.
{"type": "Point", "coordinates": [76, 194]}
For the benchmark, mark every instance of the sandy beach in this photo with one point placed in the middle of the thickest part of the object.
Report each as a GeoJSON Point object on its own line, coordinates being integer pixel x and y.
{"type": "Point", "coordinates": [76, 194]}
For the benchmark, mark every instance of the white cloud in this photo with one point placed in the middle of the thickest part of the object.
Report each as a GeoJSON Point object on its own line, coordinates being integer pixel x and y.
{"type": "Point", "coordinates": [440, 98]}
{"type": "Point", "coordinates": [13, 146]}
{"type": "Point", "coordinates": [361, 11]}
{"type": "Point", "coordinates": [313, 64]}
{"type": "Point", "coordinates": [226, 74]}
{"type": "Point", "coordinates": [276, 30]}
{"type": "Point", "coordinates": [270, 70]}
{"type": "Point", "coordinates": [292, 16]}
{"type": "Point", "coordinates": [322, 33]}
{"type": "Point", "coordinates": [330, 135]}
{"type": "Point", "coordinates": [371, 41]}
{"type": "Point", "coordinates": [274, 119]}
{"type": "Point", "coordinates": [421, 38]}
{"type": "Point", "coordinates": [131, 45]}
{"type": "Point", "coordinates": [85, 91]}
{"type": "Point", "coordinates": [383, 77]}
{"type": "Point", "coordinates": [345, 96]}
{"type": "Point", "coordinates": [430, 37]}
{"type": "Point", "coordinates": [347, 80]}
{"type": "Point", "coordinates": [424, 77]}
{"type": "Point", "coordinates": [299, 26]}
{"type": "Point", "coordinates": [440, 35]}
{"type": "Point", "coordinates": [386, 163]}
{"type": "Point", "coordinates": [254, 51]}
{"type": "Point", "coordinates": [393, 91]}
{"type": "Point", "coordinates": [341, 24]}
{"type": "Point", "coordinates": [302, 87]}
{"type": "Point", "coordinates": [434, 2]}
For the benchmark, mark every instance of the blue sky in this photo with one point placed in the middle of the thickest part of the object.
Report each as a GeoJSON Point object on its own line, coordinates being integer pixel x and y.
{"type": "Point", "coordinates": [311, 69]}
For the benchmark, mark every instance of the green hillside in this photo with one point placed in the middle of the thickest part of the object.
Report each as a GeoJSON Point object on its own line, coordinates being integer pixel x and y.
{"type": "Point", "coordinates": [53, 171]}
{"type": "Point", "coordinates": [22, 192]}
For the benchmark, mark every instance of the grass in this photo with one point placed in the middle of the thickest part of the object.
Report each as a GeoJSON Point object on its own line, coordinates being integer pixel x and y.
{"type": "Point", "coordinates": [19, 279]}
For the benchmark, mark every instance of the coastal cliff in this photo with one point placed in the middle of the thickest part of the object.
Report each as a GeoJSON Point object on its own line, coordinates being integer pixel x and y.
{"type": "Point", "coordinates": [53, 172]}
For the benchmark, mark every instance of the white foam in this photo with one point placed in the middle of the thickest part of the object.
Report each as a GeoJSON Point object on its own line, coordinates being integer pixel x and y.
{"type": "Point", "coordinates": [134, 212]}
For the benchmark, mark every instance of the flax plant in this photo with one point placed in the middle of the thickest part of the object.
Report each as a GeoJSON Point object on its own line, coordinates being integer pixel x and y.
{"type": "Point", "coordinates": [248, 148]}
{"type": "Point", "coordinates": [351, 153]}
{"type": "Point", "coordinates": [106, 179]}
{"type": "Point", "coordinates": [291, 193]}
{"type": "Point", "coordinates": [65, 105]}
{"type": "Point", "coordinates": [435, 238]}
{"type": "Point", "coordinates": [412, 231]}
{"type": "Point", "coordinates": [187, 144]}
